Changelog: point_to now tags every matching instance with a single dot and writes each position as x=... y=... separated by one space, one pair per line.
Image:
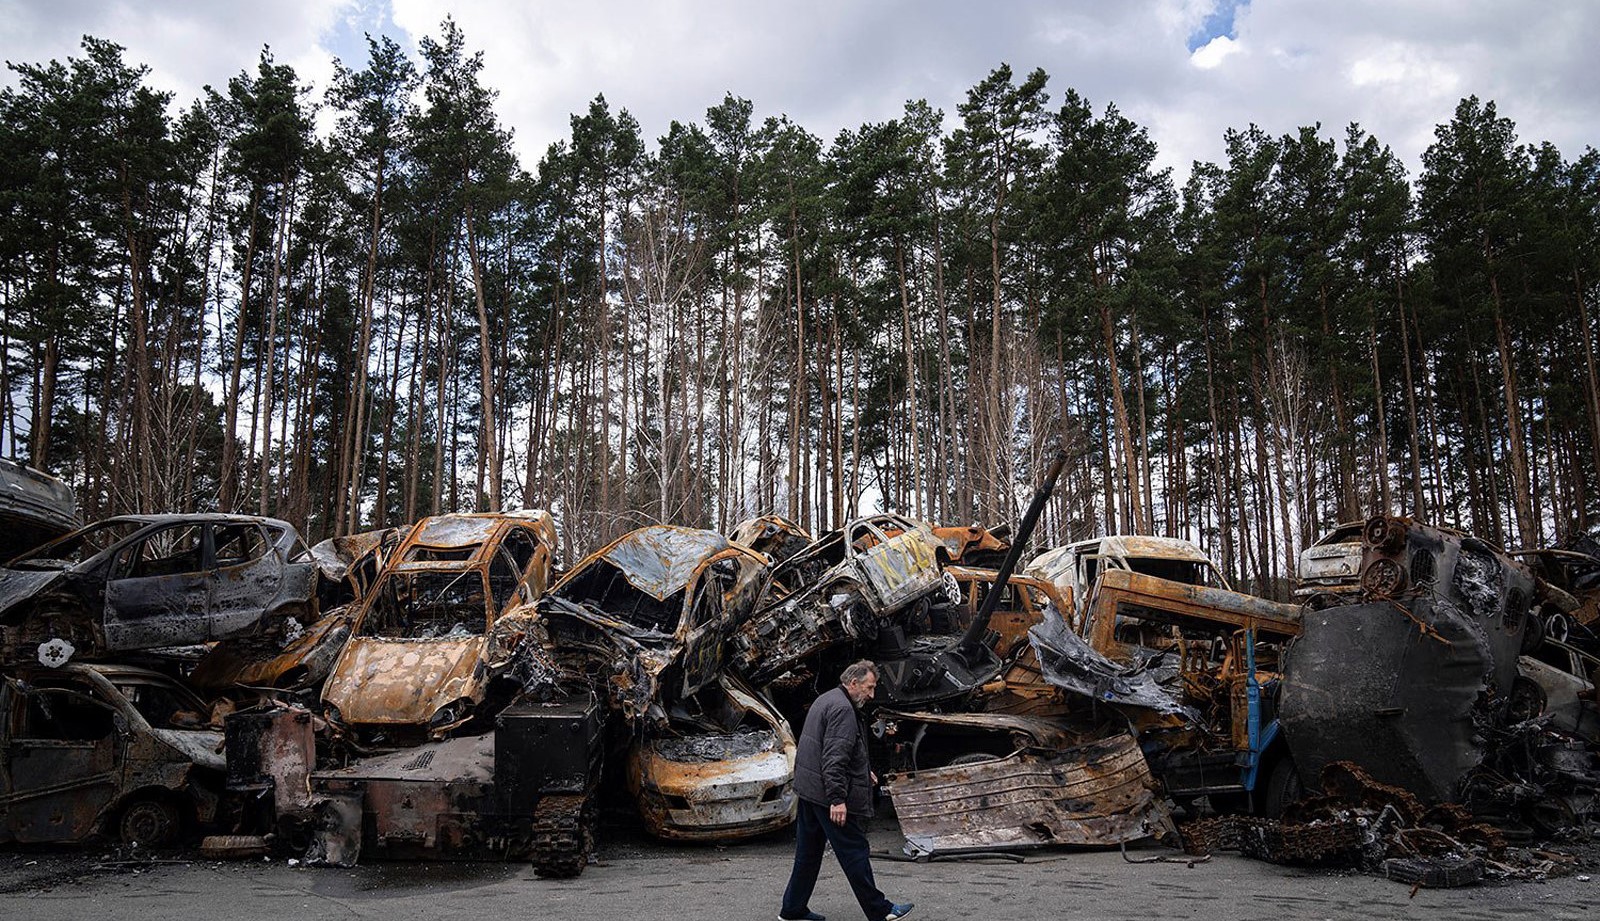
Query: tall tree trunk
x=489 y=449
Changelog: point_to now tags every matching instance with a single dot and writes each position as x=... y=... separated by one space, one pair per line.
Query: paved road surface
x=640 y=880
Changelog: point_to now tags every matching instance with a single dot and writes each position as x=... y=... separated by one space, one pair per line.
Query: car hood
x=203 y=747
x=403 y=682
x=19 y=585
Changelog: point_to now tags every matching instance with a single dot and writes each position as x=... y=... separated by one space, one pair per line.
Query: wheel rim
x=149 y=823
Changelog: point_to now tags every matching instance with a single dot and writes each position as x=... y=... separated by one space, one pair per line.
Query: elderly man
x=834 y=783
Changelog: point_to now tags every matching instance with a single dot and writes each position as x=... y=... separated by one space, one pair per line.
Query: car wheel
x=151 y=822
x=952 y=589
x=1283 y=787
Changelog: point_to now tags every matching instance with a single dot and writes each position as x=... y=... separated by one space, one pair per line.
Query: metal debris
x=1097 y=794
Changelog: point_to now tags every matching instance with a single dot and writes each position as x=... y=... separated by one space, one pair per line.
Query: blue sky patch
x=1220 y=22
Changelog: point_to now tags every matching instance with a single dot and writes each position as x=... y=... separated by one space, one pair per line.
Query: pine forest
x=216 y=304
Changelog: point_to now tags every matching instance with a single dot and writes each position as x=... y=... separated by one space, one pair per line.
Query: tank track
x=561 y=843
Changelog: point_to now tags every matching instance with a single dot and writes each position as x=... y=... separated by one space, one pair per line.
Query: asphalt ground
x=635 y=878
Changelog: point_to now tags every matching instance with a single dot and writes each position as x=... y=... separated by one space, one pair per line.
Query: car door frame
x=161 y=625
x=223 y=623
x=68 y=795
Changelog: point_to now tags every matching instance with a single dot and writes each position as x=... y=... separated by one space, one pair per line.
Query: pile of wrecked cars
x=445 y=690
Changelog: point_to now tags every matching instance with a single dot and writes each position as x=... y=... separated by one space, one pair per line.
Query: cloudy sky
x=1185 y=69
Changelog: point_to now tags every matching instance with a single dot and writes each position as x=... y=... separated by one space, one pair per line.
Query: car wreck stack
x=443 y=691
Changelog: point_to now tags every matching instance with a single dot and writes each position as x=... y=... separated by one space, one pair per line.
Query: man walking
x=834 y=782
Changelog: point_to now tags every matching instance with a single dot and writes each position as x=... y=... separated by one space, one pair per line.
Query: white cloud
x=187 y=45
x=1396 y=68
x=1213 y=53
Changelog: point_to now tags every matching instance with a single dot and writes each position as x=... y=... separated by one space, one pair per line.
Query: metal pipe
x=1030 y=518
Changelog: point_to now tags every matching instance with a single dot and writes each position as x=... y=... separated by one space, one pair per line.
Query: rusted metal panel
x=1095 y=795
x=974 y=546
x=273 y=750
x=1120 y=594
x=405 y=682
x=661 y=561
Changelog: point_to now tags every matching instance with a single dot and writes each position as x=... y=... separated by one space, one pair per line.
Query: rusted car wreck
x=112 y=751
x=649 y=618
x=436 y=631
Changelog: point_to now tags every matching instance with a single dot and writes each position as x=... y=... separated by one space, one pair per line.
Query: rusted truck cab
x=1159 y=607
x=104 y=750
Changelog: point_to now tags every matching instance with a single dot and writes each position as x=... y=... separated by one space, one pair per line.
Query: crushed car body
x=650 y=615
x=849 y=586
x=1098 y=794
x=773 y=536
x=35 y=507
x=722 y=771
x=437 y=628
x=148 y=581
x=104 y=750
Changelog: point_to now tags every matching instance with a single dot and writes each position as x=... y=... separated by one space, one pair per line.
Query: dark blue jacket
x=831 y=765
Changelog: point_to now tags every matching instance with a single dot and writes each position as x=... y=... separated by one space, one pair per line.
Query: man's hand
x=837 y=813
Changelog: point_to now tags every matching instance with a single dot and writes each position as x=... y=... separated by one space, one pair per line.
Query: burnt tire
x=1435 y=872
x=1282 y=787
x=151 y=822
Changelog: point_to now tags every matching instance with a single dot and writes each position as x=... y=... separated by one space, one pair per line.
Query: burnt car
x=851 y=588
x=650 y=615
x=723 y=770
x=1569 y=607
x=35 y=507
x=437 y=630
x=1558 y=680
x=773 y=536
x=300 y=659
x=147 y=581
x=1329 y=571
x=982 y=548
x=93 y=750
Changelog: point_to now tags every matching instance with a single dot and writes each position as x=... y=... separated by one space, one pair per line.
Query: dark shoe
x=898 y=911
x=808 y=916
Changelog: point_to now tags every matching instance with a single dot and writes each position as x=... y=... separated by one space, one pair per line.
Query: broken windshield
x=428 y=605
x=82 y=545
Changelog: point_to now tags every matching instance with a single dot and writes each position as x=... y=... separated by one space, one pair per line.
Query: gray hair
x=858 y=671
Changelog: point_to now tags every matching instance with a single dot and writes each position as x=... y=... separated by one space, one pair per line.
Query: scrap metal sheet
x=1100 y=794
x=1067 y=661
x=661 y=561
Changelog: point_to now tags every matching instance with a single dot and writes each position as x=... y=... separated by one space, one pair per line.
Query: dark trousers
x=813 y=829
